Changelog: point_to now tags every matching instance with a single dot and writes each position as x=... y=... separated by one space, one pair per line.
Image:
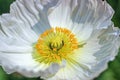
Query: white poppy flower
x=58 y=39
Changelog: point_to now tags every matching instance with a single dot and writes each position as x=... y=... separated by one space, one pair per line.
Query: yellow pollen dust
x=54 y=45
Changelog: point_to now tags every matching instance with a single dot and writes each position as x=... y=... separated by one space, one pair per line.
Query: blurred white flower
x=58 y=39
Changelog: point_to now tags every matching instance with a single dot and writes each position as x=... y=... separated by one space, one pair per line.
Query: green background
x=112 y=73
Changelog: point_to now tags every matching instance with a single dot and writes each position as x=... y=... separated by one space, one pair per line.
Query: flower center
x=54 y=45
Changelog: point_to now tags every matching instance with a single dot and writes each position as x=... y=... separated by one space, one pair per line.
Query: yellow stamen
x=54 y=45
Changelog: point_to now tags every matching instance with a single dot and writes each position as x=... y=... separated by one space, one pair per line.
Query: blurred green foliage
x=112 y=73
x=5 y=5
x=116 y=6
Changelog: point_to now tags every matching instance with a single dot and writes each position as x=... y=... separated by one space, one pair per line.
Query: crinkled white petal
x=16 y=29
x=22 y=63
x=95 y=12
x=32 y=13
x=60 y=16
x=25 y=11
x=82 y=31
x=109 y=41
x=81 y=16
x=26 y=65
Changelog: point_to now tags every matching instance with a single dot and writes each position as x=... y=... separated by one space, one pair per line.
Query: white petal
x=52 y=70
x=16 y=29
x=26 y=19
x=70 y=72
x=22 y=63
x=96 y=12
x=82 y=31
x=12 y=45
x=82 y=12
x=23 y=10
x=109 y=41
x=81 y=16
x=33 y=13
x=85 y=55
x=26 y=65
x=60 y=16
